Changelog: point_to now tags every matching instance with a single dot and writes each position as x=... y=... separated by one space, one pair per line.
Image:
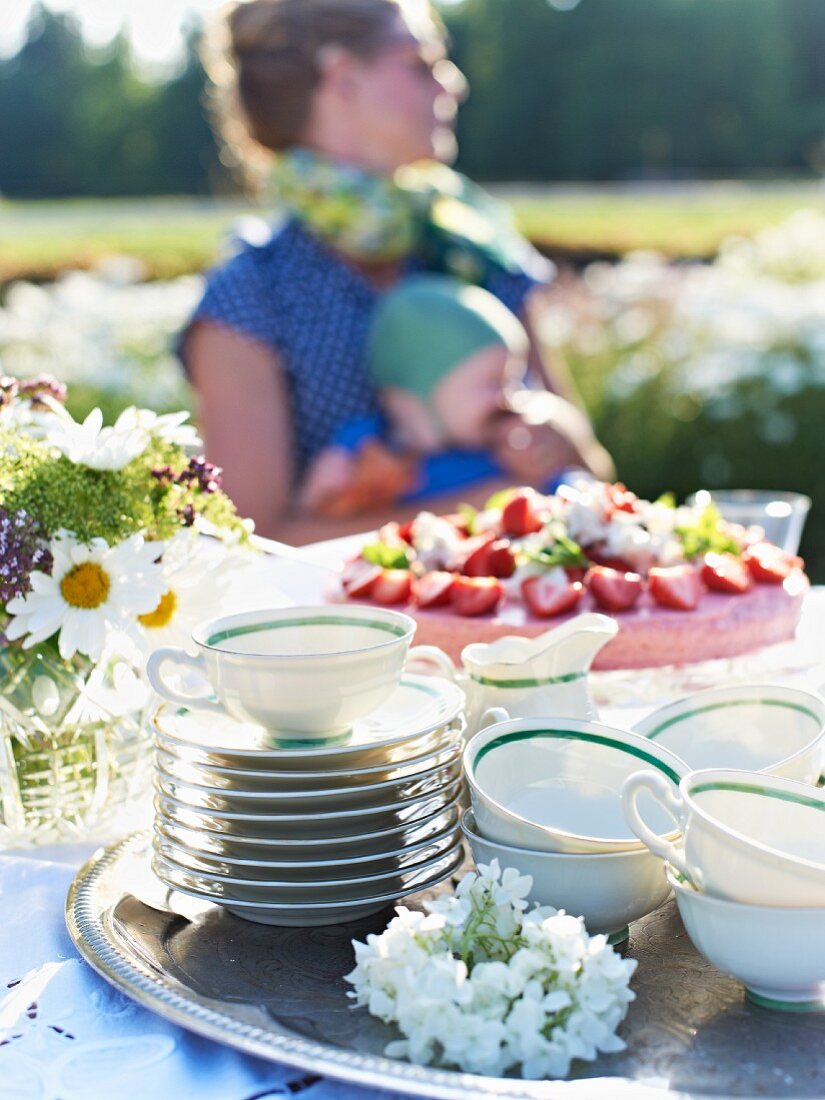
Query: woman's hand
x=543 y=435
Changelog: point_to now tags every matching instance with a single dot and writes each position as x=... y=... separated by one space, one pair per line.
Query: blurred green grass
x=688 y=222
x=174 y=236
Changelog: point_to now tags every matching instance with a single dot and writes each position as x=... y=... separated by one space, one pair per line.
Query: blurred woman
x=354 y=103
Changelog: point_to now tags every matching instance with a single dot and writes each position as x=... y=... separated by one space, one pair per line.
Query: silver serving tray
x=279 y=993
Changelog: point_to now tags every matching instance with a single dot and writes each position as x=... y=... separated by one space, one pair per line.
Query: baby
x=449 y=361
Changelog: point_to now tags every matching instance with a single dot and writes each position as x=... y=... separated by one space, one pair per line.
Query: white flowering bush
x=707 y=375
x=105 y=333
x=481 y=983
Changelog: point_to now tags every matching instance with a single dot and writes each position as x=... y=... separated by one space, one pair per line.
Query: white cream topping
x=436 y=542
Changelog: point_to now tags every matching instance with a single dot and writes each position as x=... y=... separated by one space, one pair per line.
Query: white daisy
x=92 y=590
x=90 y=444
x=169 y=427
x=196 y=575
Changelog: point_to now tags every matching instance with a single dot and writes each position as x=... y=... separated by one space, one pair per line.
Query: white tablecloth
x=66 y=1034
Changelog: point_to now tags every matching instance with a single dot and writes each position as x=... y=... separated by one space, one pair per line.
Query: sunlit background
x=155 y=28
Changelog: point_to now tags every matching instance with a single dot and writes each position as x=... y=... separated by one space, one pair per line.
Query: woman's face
x=404 y=101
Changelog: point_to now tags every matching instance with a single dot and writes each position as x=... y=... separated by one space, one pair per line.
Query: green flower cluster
x=109 y=504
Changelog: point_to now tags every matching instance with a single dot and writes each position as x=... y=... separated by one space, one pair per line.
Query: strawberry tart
x=683 y=585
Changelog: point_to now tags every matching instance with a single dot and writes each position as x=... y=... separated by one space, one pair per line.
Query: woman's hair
x=263 y=57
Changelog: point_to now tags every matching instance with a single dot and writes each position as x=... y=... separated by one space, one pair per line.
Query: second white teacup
x=768 y=728
x=554 y=784
x=302 y=672
x=748 y=837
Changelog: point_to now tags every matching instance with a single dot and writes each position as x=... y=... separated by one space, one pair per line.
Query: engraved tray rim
x=172 y=1000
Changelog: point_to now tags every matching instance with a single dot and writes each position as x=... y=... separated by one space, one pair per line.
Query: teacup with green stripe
x=746 y=836
x=554 y=784
x=779 y=953
x=755 y=727
x=303 y=673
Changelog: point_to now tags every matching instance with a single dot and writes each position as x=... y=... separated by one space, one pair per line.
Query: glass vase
x=75 y=748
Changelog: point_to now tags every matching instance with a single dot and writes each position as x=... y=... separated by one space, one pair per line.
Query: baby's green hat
x=428 y=324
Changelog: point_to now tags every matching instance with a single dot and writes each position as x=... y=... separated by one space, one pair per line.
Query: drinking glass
x=781 y=515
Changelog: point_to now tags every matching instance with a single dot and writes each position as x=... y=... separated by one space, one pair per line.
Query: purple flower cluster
x=199 y=474
x=45 y=385
x=36 y=390
x=22 y=550
x=164 y=475
x=203 y=474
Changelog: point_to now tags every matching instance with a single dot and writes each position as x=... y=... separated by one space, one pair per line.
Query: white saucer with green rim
x=554 y=784
x=325 y=800
x=314 y=913
x=777 y=951
x=243 y=887
x=315 y=825
x=349 y=769
x=756 y=727
x=194 y=831
x=264 y=867
x=419 y=705
x=309 y=783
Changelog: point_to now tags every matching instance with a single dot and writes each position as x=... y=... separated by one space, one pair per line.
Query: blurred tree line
x=613 y=89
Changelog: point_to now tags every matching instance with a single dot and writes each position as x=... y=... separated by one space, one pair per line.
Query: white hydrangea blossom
x=480 y=983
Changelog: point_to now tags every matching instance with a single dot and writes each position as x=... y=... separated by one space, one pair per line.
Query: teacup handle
x=491 y=716
x=174 y=656
x=662 y=791
x=431 y=661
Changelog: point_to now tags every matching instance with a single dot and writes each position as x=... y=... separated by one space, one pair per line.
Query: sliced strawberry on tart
x=683 y=584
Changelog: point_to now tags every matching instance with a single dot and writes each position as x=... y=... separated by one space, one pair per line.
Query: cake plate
x=279 y=993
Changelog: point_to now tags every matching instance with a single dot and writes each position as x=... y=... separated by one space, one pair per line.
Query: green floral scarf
x=453 y=226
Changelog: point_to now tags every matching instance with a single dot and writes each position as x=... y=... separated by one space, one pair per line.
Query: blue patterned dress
x=295 y=296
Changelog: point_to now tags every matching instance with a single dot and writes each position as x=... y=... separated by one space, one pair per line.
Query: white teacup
x=554 y=784
x=778 y=953
x=609 y=890
x=755 y=727
x=748 y=837
x=302 y=672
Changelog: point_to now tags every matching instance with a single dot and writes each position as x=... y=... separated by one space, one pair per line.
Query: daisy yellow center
x=163 y=613
x=86 y=585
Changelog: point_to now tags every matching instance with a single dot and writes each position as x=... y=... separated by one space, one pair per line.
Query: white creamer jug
x=529 y=677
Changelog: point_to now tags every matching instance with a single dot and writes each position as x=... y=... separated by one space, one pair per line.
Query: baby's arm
x=331 y=473
x=343 y=483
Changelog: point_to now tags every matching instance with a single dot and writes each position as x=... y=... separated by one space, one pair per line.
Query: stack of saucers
x=301 y=834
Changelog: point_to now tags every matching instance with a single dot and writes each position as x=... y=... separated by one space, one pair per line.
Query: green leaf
x=500 y=499
x=469 y=513
x=706 y=535
x=564 y=551
x=667 y=499
x=386 y=555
